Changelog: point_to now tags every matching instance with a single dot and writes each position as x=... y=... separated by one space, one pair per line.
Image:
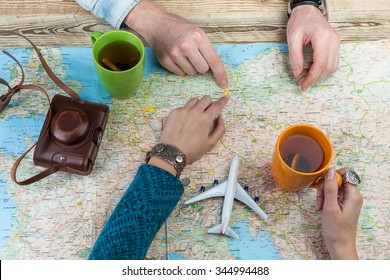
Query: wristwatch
x=170 y=154
x=320 y=4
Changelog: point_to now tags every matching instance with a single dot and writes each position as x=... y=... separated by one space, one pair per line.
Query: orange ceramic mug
x=290 y=179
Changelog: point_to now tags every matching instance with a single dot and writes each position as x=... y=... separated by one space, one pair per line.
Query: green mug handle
x=95 y=35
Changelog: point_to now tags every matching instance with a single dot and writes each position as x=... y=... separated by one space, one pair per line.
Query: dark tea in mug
x=119 y=56
x=302 y=153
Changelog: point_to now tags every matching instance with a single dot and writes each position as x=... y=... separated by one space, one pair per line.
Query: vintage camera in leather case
x=72 y=131
x=72 y=140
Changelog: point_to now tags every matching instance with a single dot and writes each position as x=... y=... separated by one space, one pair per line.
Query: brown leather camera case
x=72 y=132
x=72 y=140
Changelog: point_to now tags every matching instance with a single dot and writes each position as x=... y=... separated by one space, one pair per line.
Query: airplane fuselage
x=231 y=189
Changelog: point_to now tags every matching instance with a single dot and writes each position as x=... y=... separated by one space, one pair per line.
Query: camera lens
x=70 y=126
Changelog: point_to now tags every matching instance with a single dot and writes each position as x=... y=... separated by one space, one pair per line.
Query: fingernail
x=330 y=174
x=224 y=84
x=296 y=71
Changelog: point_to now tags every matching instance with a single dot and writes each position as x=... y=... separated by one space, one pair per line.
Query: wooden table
x=65 y=23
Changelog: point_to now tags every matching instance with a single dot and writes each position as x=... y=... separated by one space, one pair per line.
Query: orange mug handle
x=339 y=181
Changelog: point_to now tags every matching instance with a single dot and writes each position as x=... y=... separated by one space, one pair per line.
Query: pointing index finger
x=217 y=106
x=215 y=63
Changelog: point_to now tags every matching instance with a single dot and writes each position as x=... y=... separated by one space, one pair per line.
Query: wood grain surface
x=65 y=23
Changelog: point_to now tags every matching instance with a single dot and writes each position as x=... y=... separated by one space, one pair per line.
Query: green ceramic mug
x=121 y=83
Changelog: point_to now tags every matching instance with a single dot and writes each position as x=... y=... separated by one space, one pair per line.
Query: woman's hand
x=340 y=215
x=195 y=128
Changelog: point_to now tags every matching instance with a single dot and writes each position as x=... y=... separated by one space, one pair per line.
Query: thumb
x=330 y=190
x=296 y=56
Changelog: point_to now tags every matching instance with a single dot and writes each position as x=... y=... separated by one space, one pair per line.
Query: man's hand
x=307 y=25
x=179 y=46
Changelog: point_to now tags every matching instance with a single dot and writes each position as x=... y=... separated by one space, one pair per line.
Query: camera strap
x=6 y=98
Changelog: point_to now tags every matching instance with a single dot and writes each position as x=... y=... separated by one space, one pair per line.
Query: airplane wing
x=242 y=196
x=216 y=191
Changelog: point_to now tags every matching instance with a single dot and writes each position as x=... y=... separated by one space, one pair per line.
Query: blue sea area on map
x=175 y=256
x=235 y=54
x=245 y=247
x=22 y=55
x=13 y=133
x=79 y=66
x=14 y=130
x=85 y=72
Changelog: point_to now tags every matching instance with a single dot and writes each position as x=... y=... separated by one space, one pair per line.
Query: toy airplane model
x=231 y=189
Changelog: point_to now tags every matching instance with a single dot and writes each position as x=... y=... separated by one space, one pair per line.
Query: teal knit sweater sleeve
x=143 y=209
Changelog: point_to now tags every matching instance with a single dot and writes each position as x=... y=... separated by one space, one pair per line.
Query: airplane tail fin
x=218 y=229
x=231 y=233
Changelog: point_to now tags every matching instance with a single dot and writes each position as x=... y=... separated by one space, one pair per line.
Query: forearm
x=160 y=163
x=156 y=15
x=343 y=251
x=146 y=205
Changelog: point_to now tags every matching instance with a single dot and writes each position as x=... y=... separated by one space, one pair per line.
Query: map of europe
x=61 y=216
